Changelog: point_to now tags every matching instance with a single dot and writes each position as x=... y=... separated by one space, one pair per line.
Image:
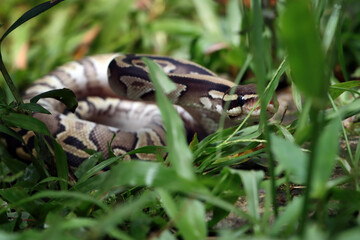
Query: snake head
x=242 y=100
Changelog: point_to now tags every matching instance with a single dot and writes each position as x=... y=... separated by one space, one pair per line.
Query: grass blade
x=306 y=56
x=61 y=164
x=325 y=157
x=291 y=158
x=251 y=180
x=25 y=122
x=179 y=152
x=188 y=215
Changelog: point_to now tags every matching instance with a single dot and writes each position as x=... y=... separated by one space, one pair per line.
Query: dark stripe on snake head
x=178 y=66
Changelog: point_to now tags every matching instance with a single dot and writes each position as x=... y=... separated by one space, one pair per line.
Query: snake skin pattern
x=116 y=97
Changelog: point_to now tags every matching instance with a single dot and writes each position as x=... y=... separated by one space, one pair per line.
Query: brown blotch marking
x=137 y=84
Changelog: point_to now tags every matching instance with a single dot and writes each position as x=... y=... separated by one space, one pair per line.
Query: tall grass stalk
x=317 y=119
x=310 y=75
x=258 y=50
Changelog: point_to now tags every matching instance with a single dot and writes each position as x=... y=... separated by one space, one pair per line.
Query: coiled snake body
x=116 y=97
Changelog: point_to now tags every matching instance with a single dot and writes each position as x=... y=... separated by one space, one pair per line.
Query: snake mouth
x=234 y=112
x=239 y=113
x=271 y=109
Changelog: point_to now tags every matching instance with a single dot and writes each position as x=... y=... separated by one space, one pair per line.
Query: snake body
x=116 y=96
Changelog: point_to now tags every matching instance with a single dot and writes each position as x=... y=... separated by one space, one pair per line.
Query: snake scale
x=116 y=96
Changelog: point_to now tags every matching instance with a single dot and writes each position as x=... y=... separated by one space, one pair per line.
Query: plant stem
x=9 y=82
x=317 y=118
x=269 y=156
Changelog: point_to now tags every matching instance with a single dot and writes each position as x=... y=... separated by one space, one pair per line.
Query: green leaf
x=150 y=174
x=228 y=188
x=346 y=111
x=2 y=96
x=166 y=235
x=66 y=96
x=188 y=215
x=176 y=26
x=341 y=58
x=14 y=165
x=350 y=234
x=273 y=84
x=26 y=201
x=297 y=98
x=331 y=27
x=148 y=149
x=326 y=153
x=179 y=153
x=97 y=168
x=289 y=218
x=15 y=195
x=61 y=164
x=357 y=153
x=314 y=231
x=108 y=223
x=206 y=11
x=86 y=165
x=25 y=122
x=29 y=15
x=337 y=89
x=290 y=157
x=33 y=107
x=9 y=235
x=11 y=133
x=251 y=180
x=305 y=51
x=93 y=183
x=234 y=21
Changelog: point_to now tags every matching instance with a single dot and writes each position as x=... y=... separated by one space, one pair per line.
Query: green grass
x=297 y=195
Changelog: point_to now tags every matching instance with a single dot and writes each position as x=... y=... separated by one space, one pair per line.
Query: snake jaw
x=234 y=112
x=240 y=101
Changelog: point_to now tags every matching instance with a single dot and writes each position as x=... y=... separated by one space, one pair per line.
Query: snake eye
x=241 y=100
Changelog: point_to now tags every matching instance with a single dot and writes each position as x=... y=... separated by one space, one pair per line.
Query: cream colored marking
x=232 y=97
x=194 y=73
x=168 y=66
x=206 y=102
x=83 y=109
x=39 y=89
x=216 y=94
x=219 y=109
x=234 y=111
x=20 y=151
x=119 y=152
x=248 y=96
x=254 y=113
x=50 y=81
x=271 y=108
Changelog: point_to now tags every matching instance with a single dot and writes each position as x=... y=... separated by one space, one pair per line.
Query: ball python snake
x=116 y=96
